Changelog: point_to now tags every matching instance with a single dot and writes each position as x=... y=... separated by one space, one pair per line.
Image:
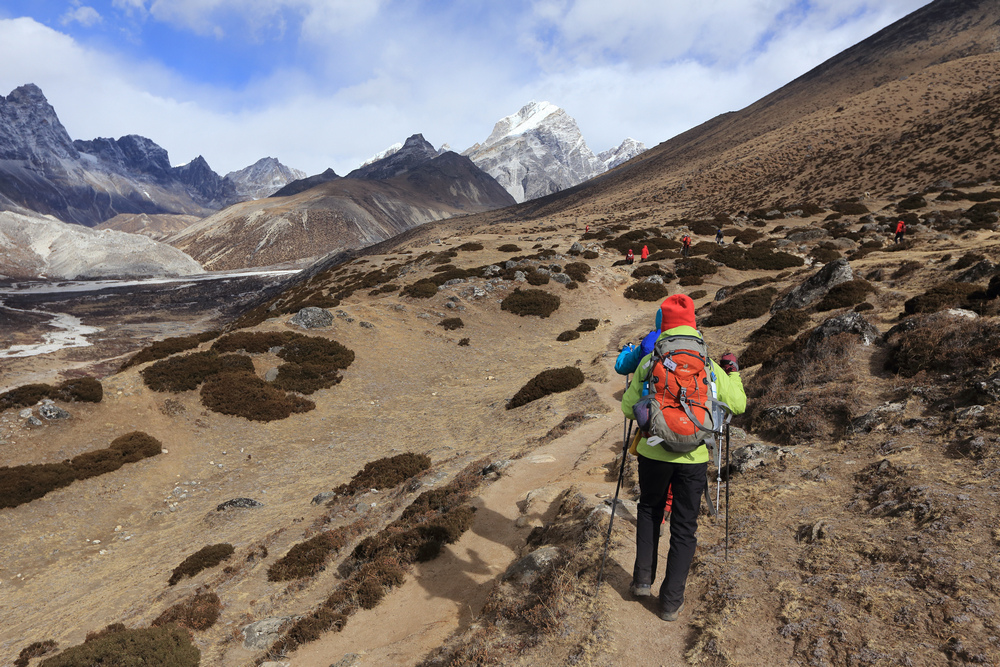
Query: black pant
x=689 y=481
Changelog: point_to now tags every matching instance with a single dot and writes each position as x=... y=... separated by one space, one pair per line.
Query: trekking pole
x=614 y=506
x=728 y=477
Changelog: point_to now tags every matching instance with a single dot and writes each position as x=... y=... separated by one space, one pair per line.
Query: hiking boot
x=639 y=591
x=672 y=615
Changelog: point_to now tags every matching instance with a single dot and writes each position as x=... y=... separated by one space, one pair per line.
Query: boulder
x=525 y=570
x=779 y=411
x=988 y=389
x=562 y=278
x=977 y=272
x=575 y=249
x=816 y=286
x=875 y=418
x=51 y=412
x=756 y=455
x=245 y=503
x=262 y=634
x=312 y=318
x=321 y=498
x=849 y=322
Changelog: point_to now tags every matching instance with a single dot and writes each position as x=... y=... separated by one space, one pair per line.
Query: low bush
x=311 y=556
x=824 y=255
x=648 y=269
x=167 y=645
x=451 y=323
x=203 y=559
x=246 y=395
x=590 y=254
x=547 y=382
x=34 y=650
x=470 y=247
x=318 y=351
x=698 y=294
x=906 y=268
x=747 y=236
x=688 y=281
x=850 y=208
x=762 y=349
x=536 y=278
x=578 y=271
x=530 y=302
x=386 y=473
x=695 y=266
x=783 y=324
x=911 y=203
x=198 y=612
x=567 y=336
x=943 y=346
x=306 y=378
x=646 y=291
x=509 y=247
x=167 y=347
x=941 y=297
x=845 y=295
x=422 y=289
x=86 y=389
x=184 y=373
x=588 y=324
x=966 y=260
x=24 y=483
x=743 y=307
x=464 y=342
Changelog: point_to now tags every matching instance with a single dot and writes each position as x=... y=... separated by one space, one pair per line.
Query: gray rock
x=321 y=498
x=519 y=277
x=527 y=569
x=492 y=270
x=988 y=388
x=656 y=279
x=849 y=322
x=779 y=411
x=478 y=292
x=262 y=634
x=969 y=412
x=367 y=325
x=958 y=312
x=51 y=412
x=34 y=421
x=756 y=455
x=624 y=508
x=575 y=249
x=562 y=278
x=721 y=294
x=349 y=660
x=399 y=307
x=25 y=414
x=245 y=503
x=816 y=286
x=872 y=419
x=271 y=375
x=509 y=264
x=312 y=318
x=811 y=234
x=454 y=281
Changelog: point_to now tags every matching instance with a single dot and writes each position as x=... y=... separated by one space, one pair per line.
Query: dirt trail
x=448 y=593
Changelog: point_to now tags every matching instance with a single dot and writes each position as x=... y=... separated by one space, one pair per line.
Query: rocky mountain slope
x=540 y=150
x=43 y=247
x=157 y=226
x=342 y=213
x=87 y=182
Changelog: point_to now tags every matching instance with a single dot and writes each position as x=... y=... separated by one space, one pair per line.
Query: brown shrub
x=24 y=396
x=943 y=345
x=698 y=294
x=644 y=291
x=762 y=349
x=306 y=378
x=536 y=278
x=198 y=612
x=941 y=297
x=845 y=295
x=824 y=255
x=386 y=473
x=168 y=646
x=464 y=342
x=648 y=269
x=34 y=650
x=202 y=559
x=248 y=396
x=567 y=336
x=783 y=324
x=530 y=302
x=578 y=271
x=317 y=350
x=742 y=307
x=966 y=260
x=185 y=373
x=591 y=254
x=588 y=324
x=310 y=557
x=545 y=383
x=509 y=247
x=695 y=266
x=470 y=247
x=253 y=342
x=422 y=289
x=164 y=348
x=85 y=389
x=850 y=208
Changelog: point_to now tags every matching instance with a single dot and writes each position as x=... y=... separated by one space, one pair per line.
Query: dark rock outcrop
x=816 y=287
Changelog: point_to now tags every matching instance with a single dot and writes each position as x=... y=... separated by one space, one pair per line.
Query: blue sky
x=328 y=83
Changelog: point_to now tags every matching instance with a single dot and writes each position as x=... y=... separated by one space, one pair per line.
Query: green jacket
x=728 y=387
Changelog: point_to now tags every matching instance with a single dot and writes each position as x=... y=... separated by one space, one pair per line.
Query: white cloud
x=85 y=16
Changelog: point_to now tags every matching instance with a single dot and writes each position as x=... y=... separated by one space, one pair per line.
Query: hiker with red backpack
x=629 y=257
x=900 y=230
x=678 y=418
x=686 y=245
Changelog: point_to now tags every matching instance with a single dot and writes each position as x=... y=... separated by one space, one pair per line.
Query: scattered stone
x=564 y=279
x=575 y=249
x=876 y=418
x=527 y=569
x=818 y=474
x=959 y=312
x=25 y=414
x=172 y=407
x=349 y=660
x=496 y=467
x=312 y=318
x=816 y=287
x=244 y=503
x=271 y=375
x=988 y=389
x=51 y=412
x=399 y=307
x=321 y=498
x=492 y=270
x=34 y=421
x=969 y=412
x=478 y=292
x=977 y=272
x=756 y=455
x=624 y=508
x=849 y=322
x=367 y=325
x=779 y=411
x=519 y=277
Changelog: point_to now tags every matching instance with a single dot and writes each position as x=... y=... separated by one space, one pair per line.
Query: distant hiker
x=686 y=245
x=586 y=229
x=661 y=468
x=900 y=230
x=645 y=253
x=718 y=235
x=629 y=257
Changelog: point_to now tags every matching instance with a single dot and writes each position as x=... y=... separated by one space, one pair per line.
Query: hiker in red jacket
x=645 y=252
x=629 y=257
x=900 y=230
x=686 y=245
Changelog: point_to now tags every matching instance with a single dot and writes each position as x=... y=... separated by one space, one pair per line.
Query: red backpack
x=678 y=411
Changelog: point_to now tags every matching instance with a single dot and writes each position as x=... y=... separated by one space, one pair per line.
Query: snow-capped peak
x=530 y=117
x=383 y=154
